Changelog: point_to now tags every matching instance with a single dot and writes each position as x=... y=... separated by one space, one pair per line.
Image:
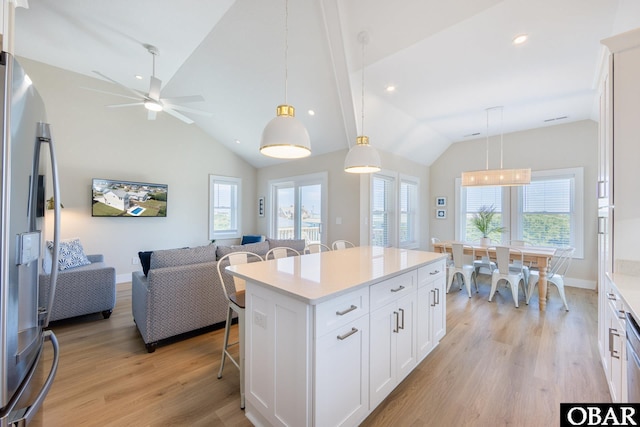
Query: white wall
x=97 y=142
x=554 y=147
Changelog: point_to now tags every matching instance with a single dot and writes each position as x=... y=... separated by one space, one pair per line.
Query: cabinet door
x=617 y=354
x=424 y=332
x=342 y=375
x=382 y=357
x=405 y=337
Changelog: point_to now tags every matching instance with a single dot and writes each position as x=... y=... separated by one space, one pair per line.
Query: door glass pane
x=310 y=213
x=285 y=217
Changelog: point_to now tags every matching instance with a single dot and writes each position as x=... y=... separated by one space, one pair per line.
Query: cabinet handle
x=433 y=291
x=345 y=311
x=438 y=294
x=601 y=189
x=611 y=296
x=395 y=313
x=614 y=353
x=434 y=272
x=622 y=315
x=402 y=310
x=348 y=334
x=397 y=289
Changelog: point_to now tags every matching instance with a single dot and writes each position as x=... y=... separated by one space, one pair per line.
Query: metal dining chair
x=459 y=268
x=559 y=265
x=504 y=272
x=314 y=248
x=281 y=252
x=236 y=303
x=342 y=244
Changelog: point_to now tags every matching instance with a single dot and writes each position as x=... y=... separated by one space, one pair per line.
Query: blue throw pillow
x=251 y=239
x=145 y=261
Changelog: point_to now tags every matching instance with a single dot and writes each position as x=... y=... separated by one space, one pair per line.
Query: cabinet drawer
x=339 y=311
x=431 y=272
x=390 y=290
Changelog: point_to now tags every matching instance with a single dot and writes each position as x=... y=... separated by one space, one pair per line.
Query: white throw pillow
x=70 y=254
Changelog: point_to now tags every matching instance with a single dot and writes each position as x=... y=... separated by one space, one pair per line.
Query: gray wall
x=98 y=142
x=554 y=147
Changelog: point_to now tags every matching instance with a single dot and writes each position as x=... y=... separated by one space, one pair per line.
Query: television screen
x=127 y=198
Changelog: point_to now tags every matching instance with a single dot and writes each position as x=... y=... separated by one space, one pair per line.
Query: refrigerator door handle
x=43 y=135
x=37 y=403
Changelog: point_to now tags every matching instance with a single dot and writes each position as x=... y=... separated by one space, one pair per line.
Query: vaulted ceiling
x=448 y=61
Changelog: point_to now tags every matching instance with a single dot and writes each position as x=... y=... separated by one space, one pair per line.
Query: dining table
x=536 y=256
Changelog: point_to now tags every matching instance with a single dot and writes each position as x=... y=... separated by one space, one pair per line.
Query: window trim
x=232 y=234
x=415 y=243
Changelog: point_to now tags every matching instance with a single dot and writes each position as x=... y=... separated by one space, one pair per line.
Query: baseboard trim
x=123 y=278
x=580 y=283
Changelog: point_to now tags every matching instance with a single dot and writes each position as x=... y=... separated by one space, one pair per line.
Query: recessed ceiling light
x=520 y=38
x=237 y=141
x=311 y=113
x=138 y=76
x=390 y=88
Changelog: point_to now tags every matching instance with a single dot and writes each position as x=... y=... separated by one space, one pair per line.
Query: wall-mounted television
x=128 y=198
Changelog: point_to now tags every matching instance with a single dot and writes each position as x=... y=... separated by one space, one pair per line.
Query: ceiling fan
x=152 y=100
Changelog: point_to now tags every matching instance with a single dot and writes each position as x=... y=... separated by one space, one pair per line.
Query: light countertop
x=629 y=288
x=314 y=278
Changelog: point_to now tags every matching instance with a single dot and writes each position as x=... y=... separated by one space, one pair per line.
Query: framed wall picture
x=441 y=213
x=261 y=206
x=441 y=201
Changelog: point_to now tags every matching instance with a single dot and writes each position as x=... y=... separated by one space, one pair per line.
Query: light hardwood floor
x=498 y=365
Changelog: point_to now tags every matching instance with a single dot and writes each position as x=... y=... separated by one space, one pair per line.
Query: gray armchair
x=82 y=290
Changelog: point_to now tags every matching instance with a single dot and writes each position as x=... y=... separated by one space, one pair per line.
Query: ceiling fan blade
x=154 y=88
x=124 y=105
x=182 y=99
x=186 y=109
x=177 y=115
x=151 y=115
x=133 y=91
x=110 y=93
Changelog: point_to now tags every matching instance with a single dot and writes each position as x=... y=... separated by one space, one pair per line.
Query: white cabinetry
x=615 y=354
x=393 y=343
x=431 y=308
x=618 y=204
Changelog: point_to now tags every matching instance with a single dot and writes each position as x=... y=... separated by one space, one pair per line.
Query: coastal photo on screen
x=128 y=198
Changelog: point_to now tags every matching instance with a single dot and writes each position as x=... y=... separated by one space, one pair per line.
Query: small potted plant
x=482 y=220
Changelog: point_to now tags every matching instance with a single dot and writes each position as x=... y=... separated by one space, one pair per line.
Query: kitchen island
x=329 y=335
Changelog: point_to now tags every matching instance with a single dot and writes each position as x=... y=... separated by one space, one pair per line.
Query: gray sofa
x=81 y=290
x=181 y=291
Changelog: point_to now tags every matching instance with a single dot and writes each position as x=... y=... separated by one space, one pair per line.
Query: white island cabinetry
x=330 y=335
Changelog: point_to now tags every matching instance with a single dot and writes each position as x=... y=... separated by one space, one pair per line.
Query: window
x=408 y=213
x=474 y=199
x=224 y=207
x=298 y=207
x=394 y=210
x=547 y=212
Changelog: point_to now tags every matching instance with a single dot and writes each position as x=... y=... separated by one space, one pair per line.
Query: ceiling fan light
x=285 y=137
x=152 y=105
x=362 y=158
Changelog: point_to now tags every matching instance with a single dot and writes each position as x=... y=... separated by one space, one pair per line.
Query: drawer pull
x=397 y=289
x=611 y=296
x=348 y=334
x=434 y=272
x=345 y=311
x=622 y=315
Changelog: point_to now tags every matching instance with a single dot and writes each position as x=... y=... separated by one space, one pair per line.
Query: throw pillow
x=145 y=261
x=251 y=239
x=70 y=254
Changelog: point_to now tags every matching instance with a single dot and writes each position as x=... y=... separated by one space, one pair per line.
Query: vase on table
x=485 y=241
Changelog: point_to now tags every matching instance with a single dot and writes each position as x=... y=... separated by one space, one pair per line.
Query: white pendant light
x=496 y=177
x=362 y=157
x=285 y=137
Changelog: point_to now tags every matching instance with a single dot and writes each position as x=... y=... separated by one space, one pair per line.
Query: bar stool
x=236 y=303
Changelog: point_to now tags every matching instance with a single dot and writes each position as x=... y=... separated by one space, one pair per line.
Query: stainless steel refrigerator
x=28 y=166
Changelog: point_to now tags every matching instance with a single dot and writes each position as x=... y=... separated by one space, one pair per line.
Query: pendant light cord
x=501 y=136
x=362 y=108
x=286 y=47
x=487 y=149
